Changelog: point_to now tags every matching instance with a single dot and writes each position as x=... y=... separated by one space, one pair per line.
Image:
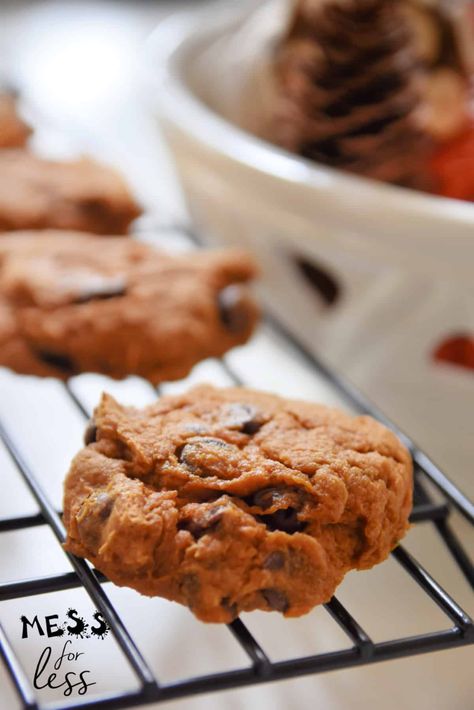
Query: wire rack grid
x=362 y=650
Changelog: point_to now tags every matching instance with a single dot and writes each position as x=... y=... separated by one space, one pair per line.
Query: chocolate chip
x=89 y=532
x=229 y=606
x=58 y=360
x=103 y=505
x=251 y=427
x=204 y=523
x=189 y=453
x=285 y=519
x=268 y=497
x=190 y=585
x=94 y=207
x=200 y=442
x=96 y=509
x=243 y=417
x=274 y=561
x=232 y=306
x=276 y=599
x=101 y=290
x=90 y=434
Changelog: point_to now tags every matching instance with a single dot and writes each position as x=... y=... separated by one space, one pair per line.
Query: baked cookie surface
x=81 y=194
x=229 y=500
x=14 y=132
x=72 y=303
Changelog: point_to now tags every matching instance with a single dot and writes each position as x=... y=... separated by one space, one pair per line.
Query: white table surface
x=76 y=63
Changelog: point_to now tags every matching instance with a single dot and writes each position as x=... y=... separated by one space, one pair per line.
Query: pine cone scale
x=296 y=78
x=348 y=87
x=321 y=124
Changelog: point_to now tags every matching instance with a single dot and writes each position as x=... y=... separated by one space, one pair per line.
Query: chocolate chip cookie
x=72 y=303
x=80 y=194
x=14 y=132
x=229 y=500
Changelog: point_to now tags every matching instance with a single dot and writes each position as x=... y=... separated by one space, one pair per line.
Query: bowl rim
x=173 y=98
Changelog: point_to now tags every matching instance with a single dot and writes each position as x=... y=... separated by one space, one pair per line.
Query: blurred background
x=76 y=65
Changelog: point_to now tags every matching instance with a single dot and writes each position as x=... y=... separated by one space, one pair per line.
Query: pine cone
x=347 y=89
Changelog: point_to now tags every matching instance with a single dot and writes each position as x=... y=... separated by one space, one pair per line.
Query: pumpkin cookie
x=81 y=194
x=229 y=500
x=72 y=303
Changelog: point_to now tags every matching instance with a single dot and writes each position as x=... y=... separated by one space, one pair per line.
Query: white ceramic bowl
x=404 y=260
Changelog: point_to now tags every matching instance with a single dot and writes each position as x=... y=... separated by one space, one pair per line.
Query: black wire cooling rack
x=261 y=669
